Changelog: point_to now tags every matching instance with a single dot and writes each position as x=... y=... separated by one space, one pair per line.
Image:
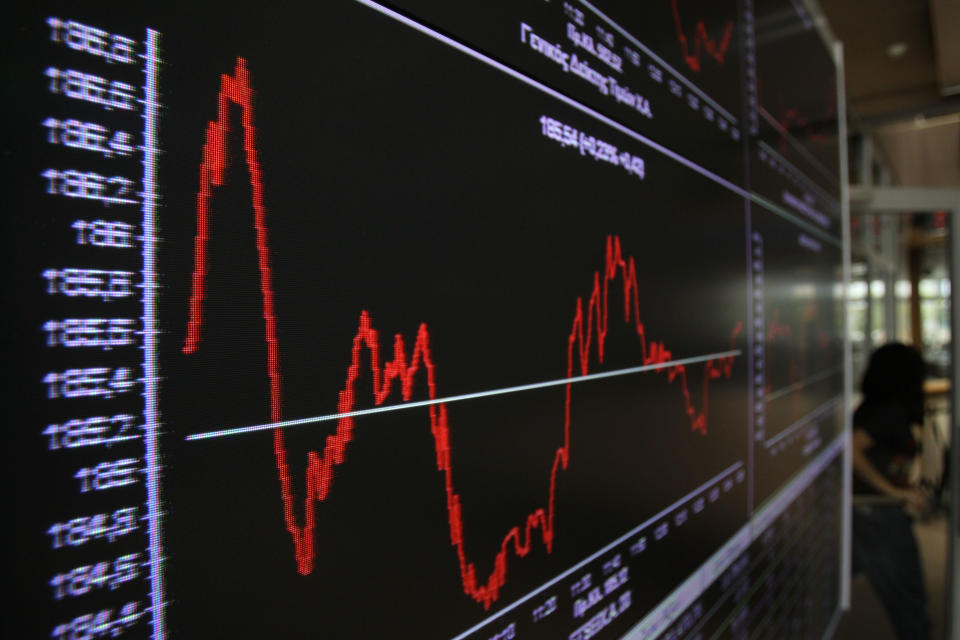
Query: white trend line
x=457 y=398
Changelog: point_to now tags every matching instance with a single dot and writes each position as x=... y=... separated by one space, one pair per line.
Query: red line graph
x=782 y=334
x=778 y=329
x=792 y=346
x=587 y=336
x=702 y=42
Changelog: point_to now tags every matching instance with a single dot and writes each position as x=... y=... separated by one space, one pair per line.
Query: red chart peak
x=393 y=371
x=703 y=44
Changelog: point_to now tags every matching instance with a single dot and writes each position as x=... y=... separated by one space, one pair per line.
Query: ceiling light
x=897 y=49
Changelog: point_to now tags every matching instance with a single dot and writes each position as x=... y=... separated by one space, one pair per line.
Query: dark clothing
x=885 y=549
x=894 y=447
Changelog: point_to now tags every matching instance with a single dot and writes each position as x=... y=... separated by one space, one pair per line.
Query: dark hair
x=895 y=376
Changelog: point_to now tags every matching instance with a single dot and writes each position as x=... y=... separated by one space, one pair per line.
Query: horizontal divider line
x=562 y=97
x=766 y=115
x=457 y=398
x=811 y=182
x=782 y=391
x=795 y=218
x=816 y=413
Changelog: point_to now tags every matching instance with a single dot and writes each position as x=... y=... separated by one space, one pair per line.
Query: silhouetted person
x=884 y=448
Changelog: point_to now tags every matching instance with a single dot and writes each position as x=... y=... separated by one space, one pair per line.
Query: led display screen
x=423 y=319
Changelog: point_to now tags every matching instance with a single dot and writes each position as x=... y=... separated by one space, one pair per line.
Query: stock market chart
x=423 y=319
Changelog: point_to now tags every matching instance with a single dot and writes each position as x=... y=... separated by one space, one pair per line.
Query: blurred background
x=902 y=62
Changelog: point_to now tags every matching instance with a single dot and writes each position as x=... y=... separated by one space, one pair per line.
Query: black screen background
x=412 y=181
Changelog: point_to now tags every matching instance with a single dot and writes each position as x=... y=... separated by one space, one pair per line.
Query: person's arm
x=915 y=499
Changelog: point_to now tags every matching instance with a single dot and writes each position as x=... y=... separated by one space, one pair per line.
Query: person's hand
x=916 y=501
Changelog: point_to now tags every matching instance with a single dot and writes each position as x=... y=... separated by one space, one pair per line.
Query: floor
x=867 y=618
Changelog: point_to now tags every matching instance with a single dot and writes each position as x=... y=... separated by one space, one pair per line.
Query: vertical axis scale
x=150 y=379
